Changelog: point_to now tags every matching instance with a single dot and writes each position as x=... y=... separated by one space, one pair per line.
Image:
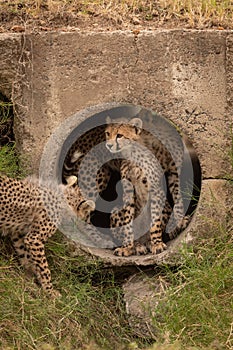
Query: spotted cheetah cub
x=145 y=161
x=30 y=213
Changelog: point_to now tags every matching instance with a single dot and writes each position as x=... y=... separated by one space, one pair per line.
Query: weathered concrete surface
x=10 y=49
x=184 y=75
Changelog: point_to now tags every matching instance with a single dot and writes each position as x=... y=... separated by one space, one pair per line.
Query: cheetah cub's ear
x=137 y=122
x=71 y=180
x=91 y=204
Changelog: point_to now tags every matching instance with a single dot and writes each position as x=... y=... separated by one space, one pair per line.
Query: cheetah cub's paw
x=124 y=251
x=140 y=249
x=136 y=249
x=53 y=294
x=158 y=248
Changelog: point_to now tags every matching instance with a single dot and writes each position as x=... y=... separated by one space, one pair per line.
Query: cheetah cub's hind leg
x=102 y=178
x=125 y=233
x=178 y=221
x=183 y=223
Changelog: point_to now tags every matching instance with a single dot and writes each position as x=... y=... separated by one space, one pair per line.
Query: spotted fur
x=30 y=213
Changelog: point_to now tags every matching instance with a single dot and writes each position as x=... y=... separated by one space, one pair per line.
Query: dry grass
x=18 y=15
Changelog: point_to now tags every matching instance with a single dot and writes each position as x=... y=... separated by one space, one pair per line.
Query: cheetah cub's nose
x=109 y=146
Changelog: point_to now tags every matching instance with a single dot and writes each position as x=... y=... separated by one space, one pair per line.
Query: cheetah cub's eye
x=107 y=133
x=119 y=136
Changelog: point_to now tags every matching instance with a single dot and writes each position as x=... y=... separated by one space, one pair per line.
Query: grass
x=194 y=314
x=199 y=302
x=8 y=161
x=196 y=310
x=51 y=14
x=201 y=13
x=6 y=120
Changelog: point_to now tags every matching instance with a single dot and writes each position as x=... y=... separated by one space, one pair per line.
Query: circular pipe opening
x=85 y=131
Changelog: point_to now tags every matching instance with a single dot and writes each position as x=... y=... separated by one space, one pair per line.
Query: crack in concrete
x=130 y=68
x=215 y=179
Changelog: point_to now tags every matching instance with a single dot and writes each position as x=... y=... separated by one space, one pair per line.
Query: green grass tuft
x=197 y=309
x=9 y=159
x=86 y=314
x=9 y=163
x=90 y=314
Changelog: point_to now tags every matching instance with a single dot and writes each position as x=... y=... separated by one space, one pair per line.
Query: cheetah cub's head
x=81 y=206
x=120 y=135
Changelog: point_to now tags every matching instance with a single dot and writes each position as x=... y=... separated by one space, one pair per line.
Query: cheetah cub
x=145 y=161
x=30 y=213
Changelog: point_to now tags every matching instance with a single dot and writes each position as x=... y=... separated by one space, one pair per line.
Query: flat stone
x=142 y=293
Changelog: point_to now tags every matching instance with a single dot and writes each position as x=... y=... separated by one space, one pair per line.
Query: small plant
x=9 y=162
x=6 y=122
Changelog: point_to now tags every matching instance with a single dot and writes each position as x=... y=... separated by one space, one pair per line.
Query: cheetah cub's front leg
x=34 y=244
x=121 y=221
x=157 y=245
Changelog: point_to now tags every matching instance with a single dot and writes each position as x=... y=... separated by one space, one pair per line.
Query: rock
x=142 y=293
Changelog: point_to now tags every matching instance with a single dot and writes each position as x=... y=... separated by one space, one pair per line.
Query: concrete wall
x=184 y=75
